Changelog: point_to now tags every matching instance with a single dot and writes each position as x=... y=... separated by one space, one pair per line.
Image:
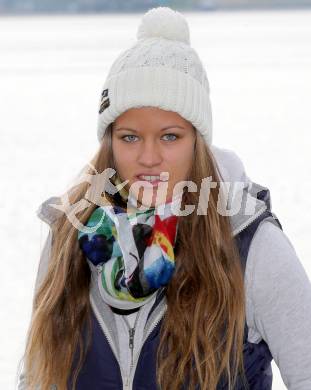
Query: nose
x=150 y=154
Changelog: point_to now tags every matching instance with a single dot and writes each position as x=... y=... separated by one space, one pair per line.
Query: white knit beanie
x=160 y=70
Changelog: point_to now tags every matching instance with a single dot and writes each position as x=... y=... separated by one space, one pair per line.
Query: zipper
x=124 y=377
x=250 y=220
x=126 y=380
x=152 y=327
x=131 y=335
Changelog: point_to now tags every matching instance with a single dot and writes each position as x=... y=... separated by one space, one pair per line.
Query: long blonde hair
x=202 y=332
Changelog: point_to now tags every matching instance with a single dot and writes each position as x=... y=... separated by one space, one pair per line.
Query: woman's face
x=147 y=141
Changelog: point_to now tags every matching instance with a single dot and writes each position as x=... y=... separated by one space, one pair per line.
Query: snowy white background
x=51 y=73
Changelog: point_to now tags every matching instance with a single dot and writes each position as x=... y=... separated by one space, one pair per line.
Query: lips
x=149 y=177
x=153 y=177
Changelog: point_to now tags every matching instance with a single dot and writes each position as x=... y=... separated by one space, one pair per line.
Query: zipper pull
x=131 y=342
x=99 y=269
x=126 y=384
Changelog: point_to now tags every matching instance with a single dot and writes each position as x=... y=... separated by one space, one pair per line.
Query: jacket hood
x=245 y=199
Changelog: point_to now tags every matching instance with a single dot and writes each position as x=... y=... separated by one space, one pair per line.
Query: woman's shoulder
x=275 y=279
x=272 y=254
x=278 y=303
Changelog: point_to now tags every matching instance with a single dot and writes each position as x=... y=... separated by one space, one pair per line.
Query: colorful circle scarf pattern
x=133 y=251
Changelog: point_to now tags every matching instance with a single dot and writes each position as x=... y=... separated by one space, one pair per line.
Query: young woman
x=151 y=277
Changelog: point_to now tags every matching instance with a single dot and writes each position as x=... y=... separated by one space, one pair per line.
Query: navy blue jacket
x=101 y=370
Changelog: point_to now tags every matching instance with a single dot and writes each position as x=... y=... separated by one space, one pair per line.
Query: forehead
x=155 y=116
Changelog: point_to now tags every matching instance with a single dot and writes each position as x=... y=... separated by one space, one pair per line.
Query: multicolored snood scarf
x=132 y=249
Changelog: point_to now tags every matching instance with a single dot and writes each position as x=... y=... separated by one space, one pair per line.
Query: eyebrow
x=164 y=128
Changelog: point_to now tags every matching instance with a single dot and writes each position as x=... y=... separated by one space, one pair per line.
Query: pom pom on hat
x=164 y=22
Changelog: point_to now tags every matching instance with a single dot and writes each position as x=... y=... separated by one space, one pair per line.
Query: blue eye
x=131 y=135
x=171 y=135
x=127 y=138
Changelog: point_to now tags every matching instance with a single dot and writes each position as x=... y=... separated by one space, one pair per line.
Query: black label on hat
x=104 y=105
x=105 y=93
